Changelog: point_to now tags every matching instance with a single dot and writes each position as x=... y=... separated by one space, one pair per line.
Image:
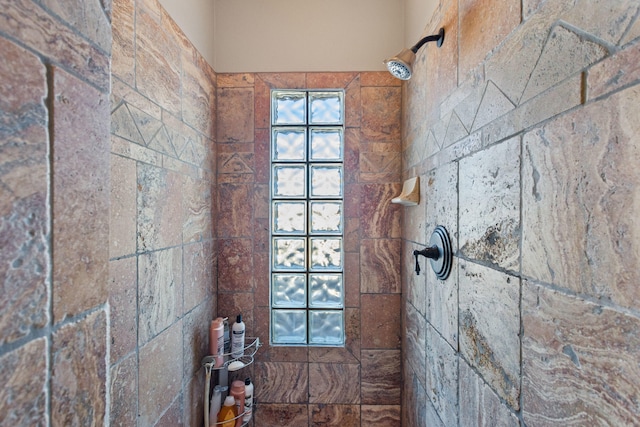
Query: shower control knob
x=440 y=253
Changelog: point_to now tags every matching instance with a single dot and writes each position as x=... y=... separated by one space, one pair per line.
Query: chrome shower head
x=400 y=65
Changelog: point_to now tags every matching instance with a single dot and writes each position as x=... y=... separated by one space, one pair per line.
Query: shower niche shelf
x=209 y=364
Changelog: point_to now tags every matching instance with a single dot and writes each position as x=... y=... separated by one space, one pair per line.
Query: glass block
x=326 y=291
x=289 y=108
x=326 y=327
x=289 y=326
x=289 y=144
x=288 y=181
x=288 y=217
x=326 y=144
x=288 y=290
x=326 y=253
x=326 y=217
x=326 y=107
x=326 y=181
x=288 y=253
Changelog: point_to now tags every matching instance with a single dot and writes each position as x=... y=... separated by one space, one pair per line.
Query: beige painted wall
x=417 y=13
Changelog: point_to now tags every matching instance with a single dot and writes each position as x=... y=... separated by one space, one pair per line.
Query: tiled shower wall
x=361 y=383
x=523 y=129
x=162 y=269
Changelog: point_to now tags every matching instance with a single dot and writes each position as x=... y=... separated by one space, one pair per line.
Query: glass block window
x=307 y=217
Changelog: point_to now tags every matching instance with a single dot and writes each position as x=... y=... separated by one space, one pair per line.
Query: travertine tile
x=235 y=210
x=381 y=377
x=442 y=377
x=380 y=321
x=414 y=343
x=608 y=75
x=490 y=327
x=124 y=391
x=353 y=103
x=380 y=415
x=160 y=213
x=147 y=125
x=334 y=383
x=122 y=207
x=173 y=416
x=490 y=205
x=235 y=265
x=282 y=382
x=122 y=49
x=124 y=126
x=23 y=397
x=81 y=197
x=379 y=265
x=88 y=18
x=564 y=54
x=160 y=374
x=579 y=188
x=79 y=371
x=479 y=405
x=415 y=401
x=198 y=273
x=329 y=80
x=198 y=92
x=379 y=217
x=378 y=78
x=414 y=285
x=159 y=292
x=197 y=201
x=581 y=361
x=281 y=415
x=334 y=415
x=381 y=109
x=235 y=115
x=123 y=307
x=193 y=401
x=232 y=304
x=25 y=256
x=195 y=335
x=604 y=19
x=493 y=105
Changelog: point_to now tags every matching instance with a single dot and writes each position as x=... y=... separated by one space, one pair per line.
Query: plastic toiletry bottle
x=216 y=341
x=237 y=391
x=248 y=400
x=227 y=337
x=227 y=413
x=237 y=338
x=216 y=404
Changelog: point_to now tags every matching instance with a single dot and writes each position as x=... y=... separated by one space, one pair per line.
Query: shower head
x=400 y=65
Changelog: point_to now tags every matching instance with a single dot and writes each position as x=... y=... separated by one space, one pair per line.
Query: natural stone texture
x=124 y=392
x=632 y=34
x=490 y=203
x=282 y=382
x=483 y=25
x=25 y=256
x=198 y=273
x=414 y=286
x=134 y=151
x=579 y=185
x=285 y=415
x=414 y=401
x=79 y=371
x=160 y=374
x=122 y=49
x=479 y=405
x=380 y=313
x=235 y=210
x=381 y=377
x=157 y=61
x=380 y=415
x=235 y=115
x=615 y=72
x=235 y=265
x=334 y=415
x=159 y=208
x=193 y=401
x=195 y=334
x=604 y=19
x=564 y=54
x=490 y=327
x=493 y=105
x=380 y=167
x=197 y=213
x=173 y=416
x=232 y=304
x=198 y=92
x=122 y=222
x=23 y=397
x=379 y=217
x=159 y=292
x=455 y=131
x=80 y=198
x=353 y=103
x=581 y=361
x=148 y=125
x=88 y=18
x=414 y=343
x=123 y=307
x=334 y=383
x=442 y=377
x=381 y=107
x=329 y=80
x=28 y=22
x=379 y=265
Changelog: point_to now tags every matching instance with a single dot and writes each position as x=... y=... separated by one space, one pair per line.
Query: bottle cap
x=239 y=318
x=229 y=401
x=247 y=381
x=237 y=386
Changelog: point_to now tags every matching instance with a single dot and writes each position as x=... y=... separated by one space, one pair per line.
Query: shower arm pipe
x=432 y=38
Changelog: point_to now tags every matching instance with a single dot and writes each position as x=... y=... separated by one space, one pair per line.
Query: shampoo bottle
x=248 y=400
x=237 y=338
x=237 y=391
x=216 y=404
x=227 y=413
x=216 y=341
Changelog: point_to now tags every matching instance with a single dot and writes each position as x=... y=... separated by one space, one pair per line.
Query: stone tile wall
x=162 y=247
x=54 y=212
x=523 y=129
x=359 y=384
